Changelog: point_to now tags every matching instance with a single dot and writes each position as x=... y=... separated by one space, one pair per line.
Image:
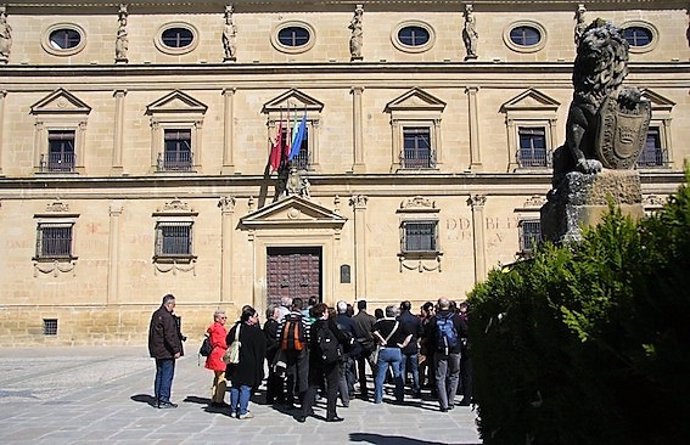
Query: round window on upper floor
x=293 y=37
x=525 y=36
x=176 y=38
x=641 y=36
x=413 y=36
x=64 y=39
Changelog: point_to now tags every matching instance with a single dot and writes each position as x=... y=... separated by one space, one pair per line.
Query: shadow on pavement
x=381 y=439
x=144 y=398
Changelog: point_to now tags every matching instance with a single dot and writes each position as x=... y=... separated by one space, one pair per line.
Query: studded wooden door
x=293 y=272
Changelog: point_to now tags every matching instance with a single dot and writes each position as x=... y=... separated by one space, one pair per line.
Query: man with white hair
x=444 y=331
x=285 y=307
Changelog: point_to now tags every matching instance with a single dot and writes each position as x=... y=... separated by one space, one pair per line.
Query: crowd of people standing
x=312 y=350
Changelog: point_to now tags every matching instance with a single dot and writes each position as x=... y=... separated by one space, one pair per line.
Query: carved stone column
x=228 y=131
x=3 y=94
x=114 y=253
x=477 y=203
x=473 y=114
x=80 y=148
x=359 y=203
x=118 y=132
x=227 y=209
x=357 y=130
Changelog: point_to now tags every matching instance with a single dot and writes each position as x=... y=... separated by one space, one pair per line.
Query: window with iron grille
x=419 y=236
x=417 y=151
x=60 y=157
x=530 y=234
x=532 y=150
x=177 y=151
x=54 y=241
x=301 y=161
x=173 y=239
x=653 y=153
x=50 y=326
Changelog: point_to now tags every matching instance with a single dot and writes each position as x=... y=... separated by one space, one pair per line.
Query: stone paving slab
x=101 y=395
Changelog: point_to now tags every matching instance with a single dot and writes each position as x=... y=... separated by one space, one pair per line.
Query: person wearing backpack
x=326 y=343
x=214 y=361
x=293 y=335
x=444 y=331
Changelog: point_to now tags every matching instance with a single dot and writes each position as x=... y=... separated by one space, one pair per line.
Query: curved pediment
x=293 y=212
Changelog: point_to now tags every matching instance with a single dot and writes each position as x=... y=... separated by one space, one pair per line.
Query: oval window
x=177 y=37
x=638 y=36
x=525 y=36
x=293 y=36
x=64 y=38
x=413 y=36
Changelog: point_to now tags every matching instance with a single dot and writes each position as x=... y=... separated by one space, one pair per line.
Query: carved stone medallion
x=622 y=133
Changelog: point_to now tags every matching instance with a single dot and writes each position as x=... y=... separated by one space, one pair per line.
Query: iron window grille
x=174 y=240
x=54 y=241
x=419 y=237
x=417 y=151
x=177 y=152
x=530 y=235
x=532 y=150
x=60 y=156
x=50 y=326
x=653 y=154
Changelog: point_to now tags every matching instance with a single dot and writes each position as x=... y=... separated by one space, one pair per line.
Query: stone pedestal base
x=581 y=200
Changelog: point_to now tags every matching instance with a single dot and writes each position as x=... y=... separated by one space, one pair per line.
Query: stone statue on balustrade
x=357 y=37
x=229 y=35
x=5 y=36
x=606 y=130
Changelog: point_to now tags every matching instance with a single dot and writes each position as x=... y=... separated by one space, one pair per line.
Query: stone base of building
x=97 y=325
x=581 y=200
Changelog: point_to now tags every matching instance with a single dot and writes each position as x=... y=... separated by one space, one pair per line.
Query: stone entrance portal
x=293 y=272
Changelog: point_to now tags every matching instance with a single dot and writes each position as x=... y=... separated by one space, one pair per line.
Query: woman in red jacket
x=217 y=333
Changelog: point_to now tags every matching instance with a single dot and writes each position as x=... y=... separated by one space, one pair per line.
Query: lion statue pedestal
x=605 y=132
x=583 y=199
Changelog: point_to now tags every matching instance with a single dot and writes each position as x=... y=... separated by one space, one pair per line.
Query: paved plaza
x=102 y=395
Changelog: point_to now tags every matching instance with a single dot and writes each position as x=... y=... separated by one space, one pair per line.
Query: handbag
x=375 y=353
x=232 y=354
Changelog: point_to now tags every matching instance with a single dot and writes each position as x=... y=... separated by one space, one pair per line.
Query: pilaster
x=477 y=203
x=359 y=204
x=118 y=132
x=473 y=115
x=113 y=292
x=227 y=209
x=359 y=165
x=228 y=131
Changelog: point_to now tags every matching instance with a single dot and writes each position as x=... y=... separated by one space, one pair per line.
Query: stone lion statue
x=606 y=123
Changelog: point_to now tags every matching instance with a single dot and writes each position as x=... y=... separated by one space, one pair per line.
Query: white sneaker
x=247 y=415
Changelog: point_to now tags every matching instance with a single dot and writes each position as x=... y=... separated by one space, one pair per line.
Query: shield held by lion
x=622 y=133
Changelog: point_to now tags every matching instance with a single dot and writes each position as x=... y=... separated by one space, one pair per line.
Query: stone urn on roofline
x=606 y=130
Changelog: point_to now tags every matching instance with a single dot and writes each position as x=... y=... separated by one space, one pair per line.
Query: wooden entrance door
x=293 y=272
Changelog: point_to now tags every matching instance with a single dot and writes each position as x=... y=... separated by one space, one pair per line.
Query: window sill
x=174 y=259
x=55 y=259
x=419 y=170
x=420 y=261
x=417 y=254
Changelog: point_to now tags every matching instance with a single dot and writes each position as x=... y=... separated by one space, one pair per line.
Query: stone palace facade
x=135 y=137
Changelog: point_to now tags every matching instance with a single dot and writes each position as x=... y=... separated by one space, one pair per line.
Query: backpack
x=446 y=334
x=206 y=348
x=292 y=334
x=328 y=346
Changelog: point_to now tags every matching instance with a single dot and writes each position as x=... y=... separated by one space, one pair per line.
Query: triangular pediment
x=176 y=102
x=293 y=100
x=531 y=100
x=60 y=101
x=293 y=212
x=415 y=100
x=659 y=102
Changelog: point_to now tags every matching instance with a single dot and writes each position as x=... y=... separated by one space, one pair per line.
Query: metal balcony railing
x=57 y=163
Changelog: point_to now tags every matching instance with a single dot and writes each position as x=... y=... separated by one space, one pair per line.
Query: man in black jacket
x=165 y=346
x=410 y=353
x=364 y=324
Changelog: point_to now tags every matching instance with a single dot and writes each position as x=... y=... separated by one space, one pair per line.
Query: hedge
x=589 y=343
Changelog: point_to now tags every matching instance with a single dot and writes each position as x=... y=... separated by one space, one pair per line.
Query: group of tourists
x=312 y=350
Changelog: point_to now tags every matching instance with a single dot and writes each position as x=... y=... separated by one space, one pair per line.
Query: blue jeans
x=165 y=371
x=413 y=361
x=239 y=398
x=388 y=357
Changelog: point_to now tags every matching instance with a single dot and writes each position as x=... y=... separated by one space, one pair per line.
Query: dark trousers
x=466 y=377
x=274 y=386
x=362 y=360
x=165 y=371
x=316 y=376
